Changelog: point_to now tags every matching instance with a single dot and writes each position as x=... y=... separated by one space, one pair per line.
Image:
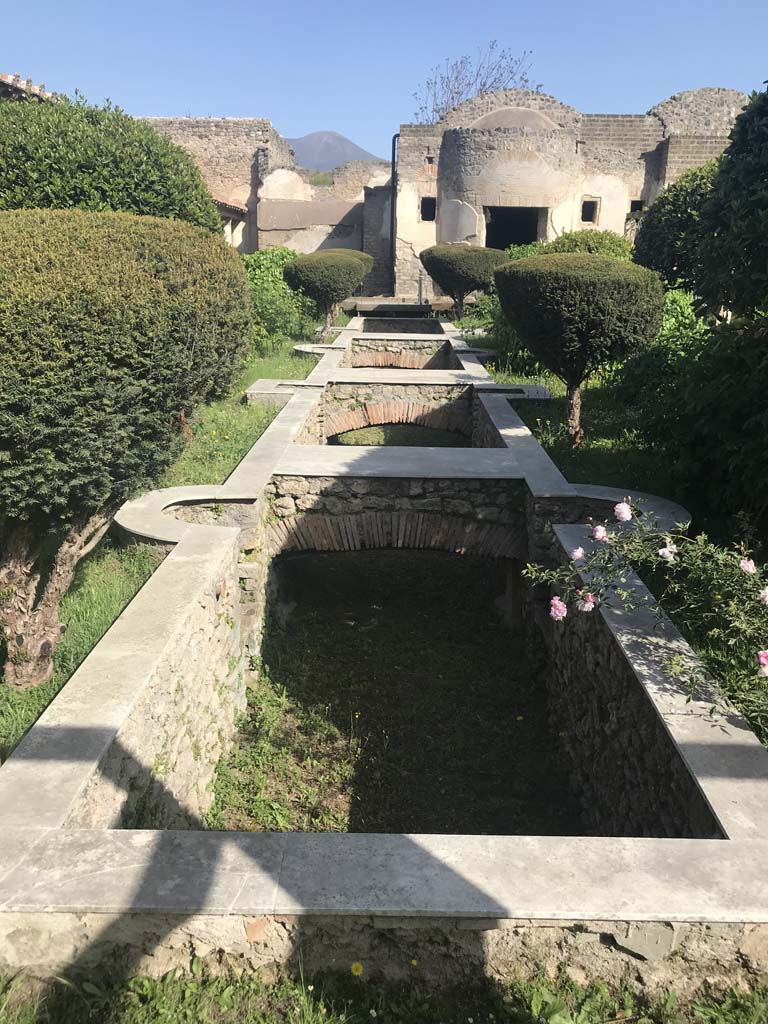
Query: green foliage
x=577 y=311
x=676 y=227
x=521 y=252
x=600 y=243
x=111 y=328
x=722 y=429
x=326 y=278
x=365 y=258
x=69 y=154
x=278 y=312
x=650 y=383
x=735 y=271
x=247 y=997
x=321 y=179
x=712 y=593
x=461 y=269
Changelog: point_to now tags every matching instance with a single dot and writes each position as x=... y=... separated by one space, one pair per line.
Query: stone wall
x=377 y=205
x=626 y=772
x=403 y=402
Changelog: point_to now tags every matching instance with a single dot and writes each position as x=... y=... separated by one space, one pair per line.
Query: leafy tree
x=735 y=259
x=112 y=328
x=461 y=269
x=69 y=154
x=602 y=243
x=277 y=310
x=326 y=278
x=454 y=81
x=676 y=227
x=577 y=312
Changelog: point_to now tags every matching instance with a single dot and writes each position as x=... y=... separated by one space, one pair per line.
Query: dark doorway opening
x=514 y=225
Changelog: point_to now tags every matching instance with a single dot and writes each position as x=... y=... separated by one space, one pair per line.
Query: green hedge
x=577 y=312
x=461 y=269
x=111 y=327
x=365 y=258
x=325 y=277
x=63 y=155
x=599 y=243
x=278 y=312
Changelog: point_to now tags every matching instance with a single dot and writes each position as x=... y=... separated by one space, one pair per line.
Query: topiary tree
x=365 y=258
x=461 y=269
x=69 y=154
x=599 y=243
x=735 y=258
x=112 y=328
x=326 y=278
x=577 y=312
x=669 y=239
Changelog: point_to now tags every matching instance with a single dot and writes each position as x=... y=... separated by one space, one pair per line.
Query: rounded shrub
x=461 y=269
x=365 y=258
x=326 y=278
x=599 y=243
x=112 y=328
x=669 y=239
x=576 y=312
x=69 y=154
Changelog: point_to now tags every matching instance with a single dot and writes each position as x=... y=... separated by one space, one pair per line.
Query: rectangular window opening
x=428 y=207
x=514 y=225
x=589 y=208
x=636 y=206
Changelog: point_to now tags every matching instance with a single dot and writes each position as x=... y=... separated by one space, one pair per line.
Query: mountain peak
x=325 y=151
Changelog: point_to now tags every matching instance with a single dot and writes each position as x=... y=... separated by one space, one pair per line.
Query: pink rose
x=748 y=566
x=762 y=661
x=578 y=553
x=669 y=550
x=623 y=511
x=763 y=596
x=557 y=609
x=586 y=602
x=600 y=533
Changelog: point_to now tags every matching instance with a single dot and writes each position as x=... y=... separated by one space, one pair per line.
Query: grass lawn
x=612 y=452
x=393 y=700
x=104 y=584
x=336 y=999
x=111 y=577
x=403 y=434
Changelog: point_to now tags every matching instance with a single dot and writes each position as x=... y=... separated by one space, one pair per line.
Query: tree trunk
x=458 y=305
x=330 y=316
x=30 y=621
x=575 y=432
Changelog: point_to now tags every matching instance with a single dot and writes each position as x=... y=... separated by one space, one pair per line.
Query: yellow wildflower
x=357 y=968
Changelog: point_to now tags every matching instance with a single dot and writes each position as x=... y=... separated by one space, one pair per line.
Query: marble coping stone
x=538 y=878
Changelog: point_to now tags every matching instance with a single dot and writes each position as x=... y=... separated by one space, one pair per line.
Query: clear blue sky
x=353 y=67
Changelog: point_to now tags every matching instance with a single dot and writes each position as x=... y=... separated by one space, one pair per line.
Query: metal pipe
x=393 y=212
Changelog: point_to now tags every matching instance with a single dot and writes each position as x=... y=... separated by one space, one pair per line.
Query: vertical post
x=393 y=212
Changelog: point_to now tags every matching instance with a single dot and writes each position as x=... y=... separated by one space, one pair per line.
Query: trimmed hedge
x=672 y=232
x=325 y=277
x=599 y=243
x=365 y=258
x=576 y=312
x=461 y=269
x=112 y=327
x=63 y=155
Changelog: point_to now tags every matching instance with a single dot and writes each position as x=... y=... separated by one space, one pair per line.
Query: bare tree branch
x=454 y=81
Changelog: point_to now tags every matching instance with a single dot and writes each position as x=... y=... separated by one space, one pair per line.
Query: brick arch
x=452 y=417
x=316 y=531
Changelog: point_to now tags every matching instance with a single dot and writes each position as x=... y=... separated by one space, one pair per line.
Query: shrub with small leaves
x=461 y=269
x=599 y=243
x=278 y=311
x=326 y=278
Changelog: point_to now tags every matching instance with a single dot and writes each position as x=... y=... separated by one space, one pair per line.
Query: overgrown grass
x=223 y=432
x=104 y=585
x=343 y=999
x=404 y=435
x=393 y=699
x=612 y=452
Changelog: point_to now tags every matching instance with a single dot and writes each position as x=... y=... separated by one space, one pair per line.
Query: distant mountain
x=324 y=151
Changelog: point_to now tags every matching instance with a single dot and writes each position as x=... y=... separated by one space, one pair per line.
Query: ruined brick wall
x=226 y=148
x=376 y=239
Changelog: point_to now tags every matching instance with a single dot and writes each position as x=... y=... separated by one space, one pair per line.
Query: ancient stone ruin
x=506 y=167
x=103 y=858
